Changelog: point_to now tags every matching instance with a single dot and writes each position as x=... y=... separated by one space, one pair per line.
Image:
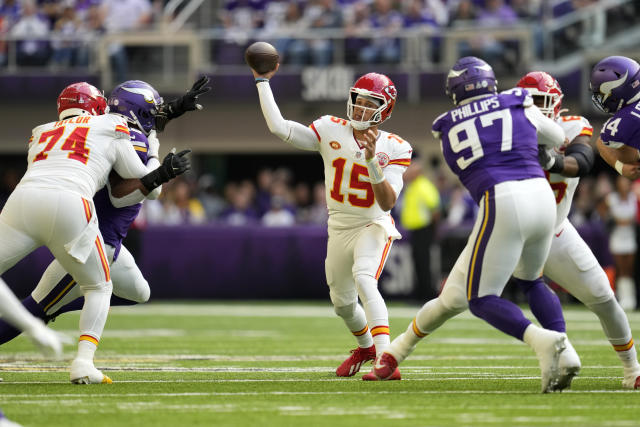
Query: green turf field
x=234 y=364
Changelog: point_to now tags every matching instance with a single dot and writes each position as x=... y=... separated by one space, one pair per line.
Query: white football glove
x=154 y=144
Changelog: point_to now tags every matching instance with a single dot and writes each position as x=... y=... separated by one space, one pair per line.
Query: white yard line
x=295 y=393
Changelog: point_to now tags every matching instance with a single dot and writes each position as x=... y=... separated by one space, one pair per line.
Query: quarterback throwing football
x=363 y=169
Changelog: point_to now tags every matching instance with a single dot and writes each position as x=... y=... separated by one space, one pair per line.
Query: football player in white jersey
x=68 y=160
x=571 y=264
x=363 y=169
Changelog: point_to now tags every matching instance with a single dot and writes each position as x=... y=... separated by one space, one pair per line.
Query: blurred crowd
x=371 y=27
x=60 y=32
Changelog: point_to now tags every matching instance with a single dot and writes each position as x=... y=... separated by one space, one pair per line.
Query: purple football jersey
x=115 y=222
x=489 y=141
x=623 y=127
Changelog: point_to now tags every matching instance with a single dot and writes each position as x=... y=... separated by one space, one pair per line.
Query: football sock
x=615 y=324
x=544 y=304
x=355 y=319
x=94 y=313
x=375 y=310
x=501 y=314
x=87 y=346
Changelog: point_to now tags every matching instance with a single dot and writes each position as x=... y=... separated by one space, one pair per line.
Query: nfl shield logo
x=469 y=87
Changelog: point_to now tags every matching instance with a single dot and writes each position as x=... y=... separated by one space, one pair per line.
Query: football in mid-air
x=262 y=57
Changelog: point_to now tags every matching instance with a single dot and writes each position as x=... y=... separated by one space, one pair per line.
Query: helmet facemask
x=550 y=102
x=375 y=117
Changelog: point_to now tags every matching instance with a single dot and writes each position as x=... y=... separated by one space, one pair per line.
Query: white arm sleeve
x=289 y=131
x=550 y=134
x=394 y=173
x=136 y=196
x=128 y=200
x=128 y=164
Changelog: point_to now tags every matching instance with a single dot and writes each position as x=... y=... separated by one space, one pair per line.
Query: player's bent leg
x=355 y=319
x=342 y=291
x=92 y=320
x=573 y=266
x=544 y=303
x=128 y=282
x=370 y=254
x=616 y=327
x=94 y=280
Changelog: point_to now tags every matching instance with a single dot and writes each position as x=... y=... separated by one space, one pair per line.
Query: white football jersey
x=350 y=197
x=564 y=187
x=76 y=154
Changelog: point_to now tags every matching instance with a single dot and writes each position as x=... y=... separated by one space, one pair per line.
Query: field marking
x=29 y=359
x=302 y=393
x=313 y=380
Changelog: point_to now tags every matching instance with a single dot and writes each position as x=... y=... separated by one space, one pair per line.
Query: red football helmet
x=81 y=98
x=544 y=85
x=377 y=87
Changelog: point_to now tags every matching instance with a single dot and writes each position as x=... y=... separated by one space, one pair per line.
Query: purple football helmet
x=615 y=82
x=470 y=77
x=138 y=102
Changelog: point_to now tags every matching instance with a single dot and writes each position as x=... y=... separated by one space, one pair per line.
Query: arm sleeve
x=550 y=134
x=394 y=173
x=128 y=164
x=130 y=199
x=294 y=133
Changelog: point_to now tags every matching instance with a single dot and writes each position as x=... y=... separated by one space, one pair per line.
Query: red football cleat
x=358 y=357
x=637 y=384
x=384 y=369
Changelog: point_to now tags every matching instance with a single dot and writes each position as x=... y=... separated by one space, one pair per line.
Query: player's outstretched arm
x=296 y=134
x=179 y=106
x=550 y=134
x=624 y=159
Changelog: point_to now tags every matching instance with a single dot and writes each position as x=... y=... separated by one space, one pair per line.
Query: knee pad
x=346 y=311
x=106 y=287
x=367 y=287
x=143 y=291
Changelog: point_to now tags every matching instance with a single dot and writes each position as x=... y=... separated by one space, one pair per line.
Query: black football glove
x=179 y=106
x=173 y=165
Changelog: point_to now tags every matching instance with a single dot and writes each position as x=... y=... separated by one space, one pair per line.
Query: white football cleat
x=83 y=372
x=46 y=340
x=548 y=347
x=568 y=367
x=632 y=378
